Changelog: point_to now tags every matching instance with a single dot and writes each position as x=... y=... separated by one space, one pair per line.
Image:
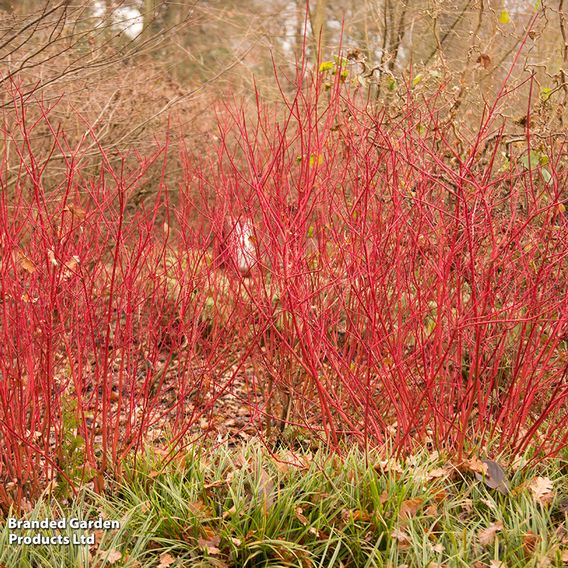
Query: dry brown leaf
x=530 y=542
x=300 y=516
x=437 y=472
x=210 y=544
x=475 y=465
x=541 y=488
x=410 y=507
x=440 y=496
x=383 y=497
x=76 y=211
x=497 y=564
x=166 y=560
x=198 y=508
x=361 y=516
x=210 y=541
x=487 y=536
x=113 y=556
x=402 y=538
x=564 y=556
x=431 y=511
x=484 y=60
x=26 y=263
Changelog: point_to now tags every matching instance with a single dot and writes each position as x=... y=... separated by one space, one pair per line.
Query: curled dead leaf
x=299 y=512
x=541 y=489
x=486 y=536
x=530 y=542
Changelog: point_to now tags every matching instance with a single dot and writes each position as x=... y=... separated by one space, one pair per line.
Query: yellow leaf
x=417 y=79
x=504 y=17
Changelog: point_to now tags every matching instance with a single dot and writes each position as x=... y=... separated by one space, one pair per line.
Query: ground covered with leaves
x=247 y=505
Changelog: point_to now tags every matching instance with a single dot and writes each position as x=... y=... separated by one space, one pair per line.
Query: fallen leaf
x=495 y=477
x=401 y=537
x=26 y=263
x=497 y=564
x=113 y=556
x=300 y=516
x=564 y=556
x=439 y=548
x=166 y=560
x=210 y=542
x=484 y=60
x=76 y=211
x=437 y=472
x=266 y=489
x=410 y=507
x=541 y=488
x=530 y=542
x=476 y=465
x=487 y=536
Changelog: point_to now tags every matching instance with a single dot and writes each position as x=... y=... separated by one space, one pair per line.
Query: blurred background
x=129 y=66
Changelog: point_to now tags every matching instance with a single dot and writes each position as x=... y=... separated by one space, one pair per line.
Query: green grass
x=241 y=507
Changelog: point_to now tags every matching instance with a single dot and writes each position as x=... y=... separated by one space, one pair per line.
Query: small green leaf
x=421 y=129
x=546 y=176
x=326 y=66
x=504 y=17
x=313 y=159
x=545 y=94
x=417 y=79
x=391 y=84
x=543 y=160
x=311 y=232
x=530 y=161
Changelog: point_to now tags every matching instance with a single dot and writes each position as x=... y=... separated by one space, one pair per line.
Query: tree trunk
x=318 y=25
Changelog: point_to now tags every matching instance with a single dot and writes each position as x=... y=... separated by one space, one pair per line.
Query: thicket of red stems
x=397 y=292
